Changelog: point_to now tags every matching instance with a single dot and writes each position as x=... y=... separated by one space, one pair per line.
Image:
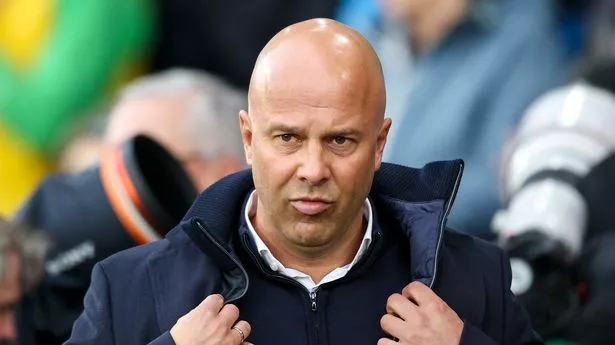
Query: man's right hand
x=211 y=323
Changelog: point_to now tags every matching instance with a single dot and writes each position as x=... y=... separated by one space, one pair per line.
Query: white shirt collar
x=301 y=277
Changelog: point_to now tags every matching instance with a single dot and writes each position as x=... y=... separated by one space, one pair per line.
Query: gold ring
x=241 y=334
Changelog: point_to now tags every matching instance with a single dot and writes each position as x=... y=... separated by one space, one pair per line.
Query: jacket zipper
x=314 y=293
x=315 y=311
x=447 y=210
x=311 y=294
x=313 y=299
x=219 y=246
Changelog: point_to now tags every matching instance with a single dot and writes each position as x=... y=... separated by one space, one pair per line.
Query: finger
x=419 y=293
x=385 y=341
x=400 y=306
x=229 y=315
x=241 y=331
x=393 y=325
x=213 y=303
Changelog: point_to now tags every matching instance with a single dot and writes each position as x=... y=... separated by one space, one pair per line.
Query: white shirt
x=299 y=276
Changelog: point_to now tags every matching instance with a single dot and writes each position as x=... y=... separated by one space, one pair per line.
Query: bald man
x=319 y=242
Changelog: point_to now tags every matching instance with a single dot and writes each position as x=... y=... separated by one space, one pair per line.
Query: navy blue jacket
x=136 y=296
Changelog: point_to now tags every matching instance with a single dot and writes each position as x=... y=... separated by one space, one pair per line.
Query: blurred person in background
x=85 y=146
x=80 y=152
x=21 y=263
x=459 y=75
x=601 y=31
x=168 y=136
x=192 y=114
x=58 y=59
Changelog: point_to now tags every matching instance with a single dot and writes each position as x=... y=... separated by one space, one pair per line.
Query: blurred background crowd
x=114 y=114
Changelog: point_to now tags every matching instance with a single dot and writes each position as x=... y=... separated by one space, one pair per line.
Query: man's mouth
x=311 y=206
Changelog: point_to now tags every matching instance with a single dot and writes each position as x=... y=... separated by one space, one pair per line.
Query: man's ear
x=245 y=126
x=381 y=141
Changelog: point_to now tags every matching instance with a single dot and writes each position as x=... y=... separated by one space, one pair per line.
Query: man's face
x=10 y=293
x=313 y=151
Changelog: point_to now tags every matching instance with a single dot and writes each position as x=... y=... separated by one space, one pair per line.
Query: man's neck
x=315 y=262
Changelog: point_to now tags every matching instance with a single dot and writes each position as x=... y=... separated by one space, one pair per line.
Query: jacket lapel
x=200 y=277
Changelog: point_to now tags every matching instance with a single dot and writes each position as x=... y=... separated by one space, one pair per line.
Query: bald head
x=320 y=62
x=314 y=139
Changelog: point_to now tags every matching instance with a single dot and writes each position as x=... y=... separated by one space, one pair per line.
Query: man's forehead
x=332 y=103
x=305 y=67
x=315 y=86
x=306 y=97
x=302 y=118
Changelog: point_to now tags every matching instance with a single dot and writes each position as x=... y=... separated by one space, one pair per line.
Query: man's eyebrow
x=343 y=132
x=276 y=127
x=280 y=127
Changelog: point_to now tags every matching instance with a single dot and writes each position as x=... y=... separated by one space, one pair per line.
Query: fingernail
x=215 y=296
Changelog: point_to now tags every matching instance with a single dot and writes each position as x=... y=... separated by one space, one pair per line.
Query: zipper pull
x=313 y=298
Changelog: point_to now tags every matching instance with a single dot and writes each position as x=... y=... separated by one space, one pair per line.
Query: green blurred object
x=90 y=43
x=560 y=342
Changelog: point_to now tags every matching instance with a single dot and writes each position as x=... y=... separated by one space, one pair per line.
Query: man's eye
x=340 y=140
x=286 y=137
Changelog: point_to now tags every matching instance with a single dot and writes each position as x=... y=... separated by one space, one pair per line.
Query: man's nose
x=7 y=328
x=313 y=167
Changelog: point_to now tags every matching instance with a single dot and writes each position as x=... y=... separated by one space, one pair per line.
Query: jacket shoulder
x=477 y=286
x=467 y=246
x=135 y=260
x=473 y=265
x=122 y=291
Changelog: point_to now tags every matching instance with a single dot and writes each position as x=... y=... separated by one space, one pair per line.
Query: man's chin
x=309 y=232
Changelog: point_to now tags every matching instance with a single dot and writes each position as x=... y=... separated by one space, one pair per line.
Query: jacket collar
x=418 y=200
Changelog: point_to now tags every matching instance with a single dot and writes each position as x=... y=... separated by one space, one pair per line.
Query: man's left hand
x=419 y=316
